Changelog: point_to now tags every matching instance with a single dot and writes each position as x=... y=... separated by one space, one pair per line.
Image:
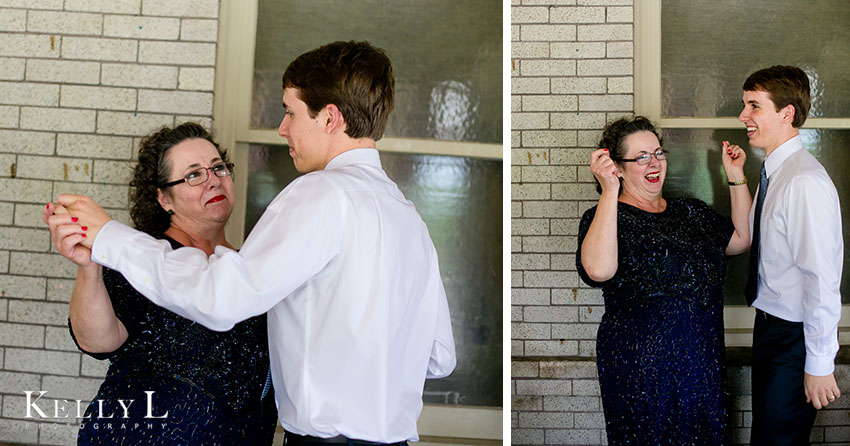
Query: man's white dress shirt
x=802 y=251
x=347 y=271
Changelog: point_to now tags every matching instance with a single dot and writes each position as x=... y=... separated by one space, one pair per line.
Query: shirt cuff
x=819 y=365
x=107 y=244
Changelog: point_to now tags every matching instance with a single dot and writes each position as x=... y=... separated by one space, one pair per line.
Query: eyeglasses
x=644 y=158
x=201 y=175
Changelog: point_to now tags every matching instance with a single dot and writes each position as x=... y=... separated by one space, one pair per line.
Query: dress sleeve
x=583 y=226
x=719 y=228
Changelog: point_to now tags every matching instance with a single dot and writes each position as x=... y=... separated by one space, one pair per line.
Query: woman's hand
x=605 y=170
x=67 y=234
x=733 y=158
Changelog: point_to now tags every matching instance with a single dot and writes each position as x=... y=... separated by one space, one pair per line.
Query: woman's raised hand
x=605 y=170
x=734 y=159
x=66 y=234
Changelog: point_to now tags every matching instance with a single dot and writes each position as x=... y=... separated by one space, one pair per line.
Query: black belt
x=290 y=439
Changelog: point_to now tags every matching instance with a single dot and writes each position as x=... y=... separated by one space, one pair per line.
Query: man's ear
x=333 y=118
x=788 y=113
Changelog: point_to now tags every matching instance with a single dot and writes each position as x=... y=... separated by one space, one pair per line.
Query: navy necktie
x=751 y=291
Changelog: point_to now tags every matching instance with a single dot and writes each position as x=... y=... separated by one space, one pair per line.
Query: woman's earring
x=170 y=212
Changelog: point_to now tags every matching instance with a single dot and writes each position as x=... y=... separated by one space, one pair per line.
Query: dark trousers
x=781 y=415
x=290 y=439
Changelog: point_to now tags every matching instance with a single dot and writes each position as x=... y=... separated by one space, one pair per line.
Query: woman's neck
x=205 y=240
x=654 y=204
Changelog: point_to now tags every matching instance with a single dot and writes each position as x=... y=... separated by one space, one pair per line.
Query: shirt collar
x=355 y=156
x=781 y=153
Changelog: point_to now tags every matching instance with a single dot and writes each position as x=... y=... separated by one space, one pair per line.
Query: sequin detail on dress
x=209 y=382
x=660 y=347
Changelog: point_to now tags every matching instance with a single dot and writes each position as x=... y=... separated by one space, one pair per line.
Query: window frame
x=231 y=122
x=738 y=318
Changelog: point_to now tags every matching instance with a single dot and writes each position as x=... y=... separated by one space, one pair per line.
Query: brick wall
x=571 y=72
x=80 y=82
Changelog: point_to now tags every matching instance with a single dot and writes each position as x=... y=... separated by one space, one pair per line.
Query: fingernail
x=84 y=236
x=74 y=219
x=605 y=150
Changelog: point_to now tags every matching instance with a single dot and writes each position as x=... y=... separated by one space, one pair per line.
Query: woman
x=212 y=385
x=660 y=264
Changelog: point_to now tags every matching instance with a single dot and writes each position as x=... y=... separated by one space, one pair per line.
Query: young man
x=796 y=260
x=342 y=262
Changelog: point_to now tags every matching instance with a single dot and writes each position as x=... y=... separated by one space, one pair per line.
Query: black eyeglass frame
x=206 y=170
x=649 y=157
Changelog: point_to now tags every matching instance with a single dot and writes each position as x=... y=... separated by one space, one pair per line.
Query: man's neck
x=345 y=144
x=786 y=137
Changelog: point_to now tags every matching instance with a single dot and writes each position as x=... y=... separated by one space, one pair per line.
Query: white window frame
x=231 y=121
x=738 y=318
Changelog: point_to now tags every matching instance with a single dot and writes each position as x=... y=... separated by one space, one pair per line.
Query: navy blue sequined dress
x=660 y=348
x=210 y=383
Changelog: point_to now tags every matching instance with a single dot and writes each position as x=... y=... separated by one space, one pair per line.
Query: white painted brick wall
x=197 y=79
x=80 y=82
x=177 y=53
x=14 y=141
x=53 y=22
x=139 y=27
x=13 y=20
x=29 y=45
x=12 y=68
x=181 y=8
x=571 y=69
x=199 y=30
x=143 y=76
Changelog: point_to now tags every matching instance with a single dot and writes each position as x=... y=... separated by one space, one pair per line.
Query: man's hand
x=820 y=390
x=89 y=214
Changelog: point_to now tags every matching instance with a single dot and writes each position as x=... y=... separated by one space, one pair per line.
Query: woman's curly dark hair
x=153 y=170
x=614 y=136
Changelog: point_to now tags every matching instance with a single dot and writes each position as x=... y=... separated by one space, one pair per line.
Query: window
x=691 y=61
x=442 y=147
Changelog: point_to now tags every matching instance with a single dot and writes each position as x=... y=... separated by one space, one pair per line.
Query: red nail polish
x=85 y=228
x=84 y=236
x=74 y=219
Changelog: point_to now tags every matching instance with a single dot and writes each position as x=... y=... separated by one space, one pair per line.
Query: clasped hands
x=74 y=224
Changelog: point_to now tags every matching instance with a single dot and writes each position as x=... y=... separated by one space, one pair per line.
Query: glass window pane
x=460 y=199
x=709 y=48
x=446 y=58
x=694 y=169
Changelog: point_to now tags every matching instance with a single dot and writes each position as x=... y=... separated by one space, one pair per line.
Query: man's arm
x=815 y=239
x=294 y=239
x=443 y=358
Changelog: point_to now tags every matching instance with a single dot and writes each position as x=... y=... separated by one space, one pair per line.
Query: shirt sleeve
x=297 y=235
x=816 y=244
x=443 y=358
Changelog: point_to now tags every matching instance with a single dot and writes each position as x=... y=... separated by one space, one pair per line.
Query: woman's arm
x=599 y=247
x=93 y=320
x=733 y=158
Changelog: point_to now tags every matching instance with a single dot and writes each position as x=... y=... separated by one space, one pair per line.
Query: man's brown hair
x=785 y=85
x=355 y=76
